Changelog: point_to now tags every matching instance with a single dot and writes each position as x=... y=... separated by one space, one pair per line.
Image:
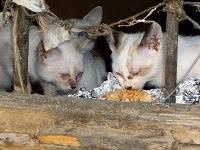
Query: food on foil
x=128 y=95
x=187 y=92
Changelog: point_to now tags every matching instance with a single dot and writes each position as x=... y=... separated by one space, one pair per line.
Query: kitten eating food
x=138 y=58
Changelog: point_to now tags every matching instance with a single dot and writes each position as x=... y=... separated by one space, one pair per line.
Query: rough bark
x=21 y=46
x=98 y=124
x=173 y=8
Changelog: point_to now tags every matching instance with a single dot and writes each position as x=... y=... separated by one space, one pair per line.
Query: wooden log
x=173 y=8
x=97 y=124
x=21 y=45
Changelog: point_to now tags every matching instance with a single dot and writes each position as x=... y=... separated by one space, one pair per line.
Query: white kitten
x=70 y=65
x=139 y=58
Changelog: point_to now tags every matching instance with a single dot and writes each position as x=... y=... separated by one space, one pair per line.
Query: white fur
x=70 y=57
x=72 y=61
x=6 y=57
x=93 y=67
x=188 y=51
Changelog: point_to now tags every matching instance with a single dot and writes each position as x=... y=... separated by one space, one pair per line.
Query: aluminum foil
x=188 y=92
x=157 y=94
x=81 y=93
x=111 y=84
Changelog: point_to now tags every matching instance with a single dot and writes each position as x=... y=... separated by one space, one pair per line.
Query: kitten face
x=63 y=66
x=136 y=57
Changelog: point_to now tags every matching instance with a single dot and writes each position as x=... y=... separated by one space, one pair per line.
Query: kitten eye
x=79 y=75
x=145 y=70
x=134 y=74
x=119 y=74
x=65 y=75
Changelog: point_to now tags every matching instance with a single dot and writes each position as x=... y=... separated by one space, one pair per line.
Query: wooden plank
x=173 y=7
x=99 y=124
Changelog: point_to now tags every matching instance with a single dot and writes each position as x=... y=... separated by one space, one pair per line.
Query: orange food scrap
x=59 y=140
x=128 y=95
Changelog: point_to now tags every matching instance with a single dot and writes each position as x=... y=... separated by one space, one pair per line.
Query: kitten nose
x=128 y=87
x=72 y=83
x=73 y=87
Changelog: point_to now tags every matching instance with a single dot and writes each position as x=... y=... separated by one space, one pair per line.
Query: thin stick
x=196 y=24
x=136 y=15
x=136 y=21
x=191 y=3
x=21 y=46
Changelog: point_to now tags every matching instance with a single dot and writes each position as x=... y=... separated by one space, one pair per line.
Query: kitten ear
x=152 y=38
x=47 y=56
x=94 y=17
x=114 y=39
x=86 y=44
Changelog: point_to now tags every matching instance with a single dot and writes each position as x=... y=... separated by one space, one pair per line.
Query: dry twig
x=195 y=24
x=132 y=18
x=104 y=30
x=192 y=3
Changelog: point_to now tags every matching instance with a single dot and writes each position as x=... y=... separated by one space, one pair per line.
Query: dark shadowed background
x=114 y=10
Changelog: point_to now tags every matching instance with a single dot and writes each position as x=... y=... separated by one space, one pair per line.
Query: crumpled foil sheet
x=188 y=92
x=111 y=84
x=82 y=93
x=157 y=94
